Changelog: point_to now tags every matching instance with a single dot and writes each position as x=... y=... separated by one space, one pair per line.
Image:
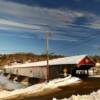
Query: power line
x=86 y=42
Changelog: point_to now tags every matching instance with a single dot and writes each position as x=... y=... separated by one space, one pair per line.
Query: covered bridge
x=75 y=65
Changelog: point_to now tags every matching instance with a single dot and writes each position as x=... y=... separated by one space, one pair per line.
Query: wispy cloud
x=10 y=23
x=19 y=17
x=35 y=18
x=37 y=15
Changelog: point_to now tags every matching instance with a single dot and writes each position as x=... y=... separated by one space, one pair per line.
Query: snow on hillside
x=39 y=87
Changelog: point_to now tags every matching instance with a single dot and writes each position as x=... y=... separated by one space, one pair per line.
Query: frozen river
x=6 y=84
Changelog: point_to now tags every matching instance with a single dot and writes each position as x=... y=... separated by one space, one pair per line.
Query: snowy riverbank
x=39 y=87
x=92 y=96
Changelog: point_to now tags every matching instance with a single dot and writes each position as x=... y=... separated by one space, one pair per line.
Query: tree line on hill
x=9 y=59
x=96 y=58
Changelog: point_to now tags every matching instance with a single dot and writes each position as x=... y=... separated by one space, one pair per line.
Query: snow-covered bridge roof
x=58 y=61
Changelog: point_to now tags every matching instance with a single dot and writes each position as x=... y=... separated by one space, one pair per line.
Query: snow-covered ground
x=92 y=96
x=62 y=82
x=36 y=88
x=98 y=76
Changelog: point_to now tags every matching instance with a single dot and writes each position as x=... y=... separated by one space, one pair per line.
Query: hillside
x=23 y=57
x=8 y=59
x=96 y=58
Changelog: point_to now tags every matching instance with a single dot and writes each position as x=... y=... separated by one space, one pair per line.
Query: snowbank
x=98 y=76
x=62 y=82
x=92 y=96
x=39 y=87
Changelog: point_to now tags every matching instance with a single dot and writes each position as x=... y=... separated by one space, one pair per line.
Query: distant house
x=97 y=64
x=74 y=65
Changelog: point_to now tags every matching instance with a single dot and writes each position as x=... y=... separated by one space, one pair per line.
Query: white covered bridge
x=57 y=67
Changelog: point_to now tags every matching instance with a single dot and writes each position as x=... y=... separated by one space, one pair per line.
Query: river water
x=6 y=84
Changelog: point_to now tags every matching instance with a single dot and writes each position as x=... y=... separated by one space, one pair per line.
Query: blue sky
x=74 y=26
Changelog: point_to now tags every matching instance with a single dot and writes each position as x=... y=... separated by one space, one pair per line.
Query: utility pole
x=47 y=54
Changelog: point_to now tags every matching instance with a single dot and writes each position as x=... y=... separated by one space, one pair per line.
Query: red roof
x=86 y=61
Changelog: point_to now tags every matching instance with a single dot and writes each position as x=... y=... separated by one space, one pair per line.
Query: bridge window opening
x=30 y=71
x=17 y=71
